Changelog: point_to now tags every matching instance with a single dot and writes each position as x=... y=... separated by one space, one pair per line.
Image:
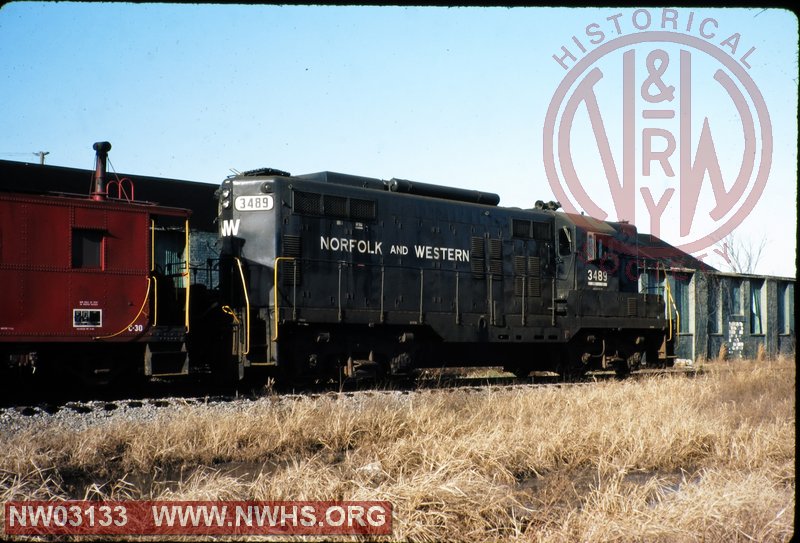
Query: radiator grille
x=335 y=206
x=520 y=228
x=307 y=203
x=541 y=231
x=362 y=210
x=289 y=270
x=477 y=257
x=527 y=272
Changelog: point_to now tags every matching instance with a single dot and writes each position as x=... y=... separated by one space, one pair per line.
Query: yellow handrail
x=229 y=311
x=188 y=276
x=125 y=329
x=670 y=301
x=677 y=314
x=152 y=245
x=247 y=307
x=275 y=293
x=155 y=301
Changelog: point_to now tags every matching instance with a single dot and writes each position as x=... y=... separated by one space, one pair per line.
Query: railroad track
x=171 y=395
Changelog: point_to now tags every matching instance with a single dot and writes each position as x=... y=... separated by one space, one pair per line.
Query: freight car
x=331 y=276
x=93 y=287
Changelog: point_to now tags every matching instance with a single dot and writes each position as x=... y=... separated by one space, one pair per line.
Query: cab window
x=564 y=241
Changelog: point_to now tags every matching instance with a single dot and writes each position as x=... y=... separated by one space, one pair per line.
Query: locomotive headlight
x=226 y=193
x=226 y=204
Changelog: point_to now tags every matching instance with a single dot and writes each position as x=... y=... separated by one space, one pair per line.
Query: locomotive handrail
x=247 y=307
x=276 y=305
x=206 y=274
x=152 y=245
x=677 y=314
x=126 y=328
x=282 y=299
x=155 y=301
x=339 y=295
x=383 y=283
x=187 y=274
x=670 y=302
x=421 y=294
x=340 y=265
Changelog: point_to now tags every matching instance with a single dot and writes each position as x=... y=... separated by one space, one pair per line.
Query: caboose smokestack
x=102 y=148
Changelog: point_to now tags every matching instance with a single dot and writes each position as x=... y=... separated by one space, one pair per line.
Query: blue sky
x=455 y=96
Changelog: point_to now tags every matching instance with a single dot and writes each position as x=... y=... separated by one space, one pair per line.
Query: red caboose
x=93 y=286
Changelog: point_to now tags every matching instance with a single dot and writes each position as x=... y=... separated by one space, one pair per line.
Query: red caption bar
x=198 y=518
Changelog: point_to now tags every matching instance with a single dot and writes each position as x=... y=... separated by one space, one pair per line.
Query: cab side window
x=564 y=241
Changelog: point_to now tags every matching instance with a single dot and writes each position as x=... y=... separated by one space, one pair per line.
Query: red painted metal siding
x=43 y=297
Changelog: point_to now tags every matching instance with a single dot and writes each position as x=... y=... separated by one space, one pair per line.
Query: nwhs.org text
x=198 y=517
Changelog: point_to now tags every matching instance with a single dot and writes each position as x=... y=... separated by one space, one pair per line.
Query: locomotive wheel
x=366 y=369
x=571 y=366
x=571 y=370
x=624 y=366
x=621 y=368
x=652 y=360
x=520 y=371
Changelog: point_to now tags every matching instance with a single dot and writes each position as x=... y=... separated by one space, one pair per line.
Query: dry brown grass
x=671 y=458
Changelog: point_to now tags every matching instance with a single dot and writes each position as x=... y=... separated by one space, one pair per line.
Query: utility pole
x=41 y=156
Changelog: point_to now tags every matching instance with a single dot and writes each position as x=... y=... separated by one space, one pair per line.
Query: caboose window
x=87 y=248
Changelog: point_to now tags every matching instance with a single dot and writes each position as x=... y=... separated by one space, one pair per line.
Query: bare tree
x=743 y=256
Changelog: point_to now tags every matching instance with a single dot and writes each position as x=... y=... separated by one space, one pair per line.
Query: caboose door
x=169 y=269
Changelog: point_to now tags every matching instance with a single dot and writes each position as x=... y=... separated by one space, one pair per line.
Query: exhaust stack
x=99 y=191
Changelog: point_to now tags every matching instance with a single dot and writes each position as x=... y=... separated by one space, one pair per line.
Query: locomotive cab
x=617 y=327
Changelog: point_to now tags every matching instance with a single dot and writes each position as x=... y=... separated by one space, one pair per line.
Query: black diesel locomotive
x=330 y=275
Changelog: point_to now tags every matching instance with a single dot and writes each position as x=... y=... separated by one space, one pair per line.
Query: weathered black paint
x=401 y=279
